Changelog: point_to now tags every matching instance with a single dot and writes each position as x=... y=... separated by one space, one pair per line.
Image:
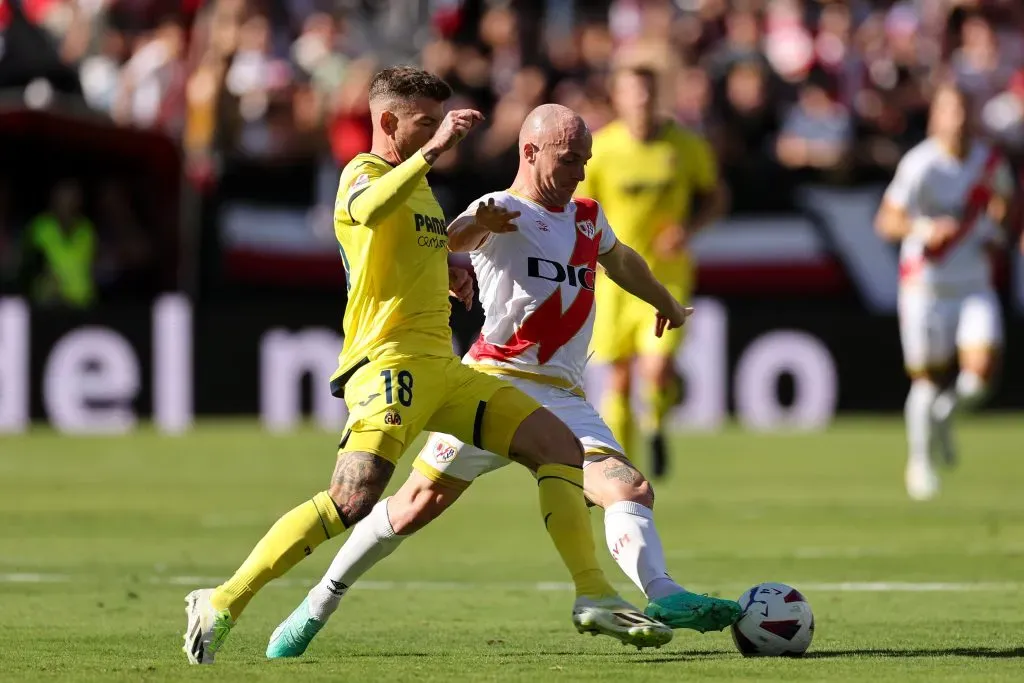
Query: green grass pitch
x=100 y=539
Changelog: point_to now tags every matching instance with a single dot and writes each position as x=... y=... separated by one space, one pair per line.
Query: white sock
x=918 y=414
x=967 y=393
x=636 y=547
x=371 y=541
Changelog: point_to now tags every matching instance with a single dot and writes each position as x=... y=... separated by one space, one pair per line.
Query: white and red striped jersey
x=537 y=287
x=931 y=183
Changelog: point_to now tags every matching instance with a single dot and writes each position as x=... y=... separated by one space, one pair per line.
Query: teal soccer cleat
x=693 y=611
x=293 y=636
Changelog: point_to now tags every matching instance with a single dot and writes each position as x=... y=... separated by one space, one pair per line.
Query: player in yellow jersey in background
x=399 y=375
x=658 y=184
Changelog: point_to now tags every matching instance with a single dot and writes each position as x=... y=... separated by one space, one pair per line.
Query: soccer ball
x=776 y=622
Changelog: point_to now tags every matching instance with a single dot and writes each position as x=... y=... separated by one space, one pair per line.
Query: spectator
x=153 y=80
x=270 y=81
x=742 y=128
x=746 y=119
x=100 y=73
x=126 y=265
x=259 y=82
x=59 y=252
x=693 y=97
x=816 y=132
x=1003 y=116
x=788 y=44
x=978 y=65
x=742 y=43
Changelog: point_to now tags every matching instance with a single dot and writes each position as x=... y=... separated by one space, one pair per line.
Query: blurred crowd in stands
x=832 y=91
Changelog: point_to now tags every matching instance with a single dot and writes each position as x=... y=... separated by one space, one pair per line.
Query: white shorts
x=932 y=328
x=448 y=460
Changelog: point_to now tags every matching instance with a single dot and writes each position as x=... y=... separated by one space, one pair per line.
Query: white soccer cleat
x=206 y=628
x=615 y=617
x=921 y=480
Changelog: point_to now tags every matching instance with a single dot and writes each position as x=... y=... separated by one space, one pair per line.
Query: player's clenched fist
x=940 y=231
x=460 y=286
x=672 y=318
x=456 y=124
x=495 y=218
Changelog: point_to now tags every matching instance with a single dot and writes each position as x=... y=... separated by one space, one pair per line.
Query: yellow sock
x=618 y=415
x=291 y=538
x=660 y=401
x=568 y=523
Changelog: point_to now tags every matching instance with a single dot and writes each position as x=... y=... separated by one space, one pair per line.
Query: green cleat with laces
x=698 y=612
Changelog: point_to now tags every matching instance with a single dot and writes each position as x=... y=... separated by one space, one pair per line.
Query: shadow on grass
x=977 y=652
x=670 y=657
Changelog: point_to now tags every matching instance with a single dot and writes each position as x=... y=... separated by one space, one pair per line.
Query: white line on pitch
x=547 y=586
x=838 y=553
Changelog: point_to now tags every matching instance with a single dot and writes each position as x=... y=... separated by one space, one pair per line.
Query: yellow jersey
x=645 y=186
x=394 y=245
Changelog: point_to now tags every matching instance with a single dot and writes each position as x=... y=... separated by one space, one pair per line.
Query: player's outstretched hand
x=495 y=218
x=456 y=124
x=671 y=319
x=460 y=285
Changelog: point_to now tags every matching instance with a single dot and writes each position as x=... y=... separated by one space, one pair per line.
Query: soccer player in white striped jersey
x=535 y=251
x=946 y=204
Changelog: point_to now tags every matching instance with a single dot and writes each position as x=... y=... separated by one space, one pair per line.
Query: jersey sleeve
x=370 y=189
x=608 y=238
x=903 y=188
x=355 y=178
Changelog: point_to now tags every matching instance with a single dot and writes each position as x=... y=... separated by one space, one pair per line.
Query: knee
x=617 y=482
x=618 y=379
x=640 y=492
x=931 y=377
x=411 y=512
x=543 y=439
x=660 y=372
x=979 y=367
x=643 y=493
x=352 y=505
x=357 y=484
x=562 y=449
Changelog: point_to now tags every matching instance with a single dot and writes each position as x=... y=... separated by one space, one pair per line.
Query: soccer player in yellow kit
x=648 y=173
x=399 y=375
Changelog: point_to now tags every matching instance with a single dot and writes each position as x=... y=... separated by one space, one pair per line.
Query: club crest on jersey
x=391 y=417
x=587 y=228
x=360 y=181
x=444 y=452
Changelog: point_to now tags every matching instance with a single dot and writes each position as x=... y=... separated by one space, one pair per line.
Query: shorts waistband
x=537 y=377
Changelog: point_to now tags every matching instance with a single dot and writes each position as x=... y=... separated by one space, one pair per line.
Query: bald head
x=554 y=147
x=551 y=124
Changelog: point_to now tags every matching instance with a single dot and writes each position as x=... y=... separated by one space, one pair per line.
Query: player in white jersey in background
x=535 y=251
x=946 y=204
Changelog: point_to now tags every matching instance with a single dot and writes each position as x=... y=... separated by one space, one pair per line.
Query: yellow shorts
x=392 y=399
x=624 y=325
